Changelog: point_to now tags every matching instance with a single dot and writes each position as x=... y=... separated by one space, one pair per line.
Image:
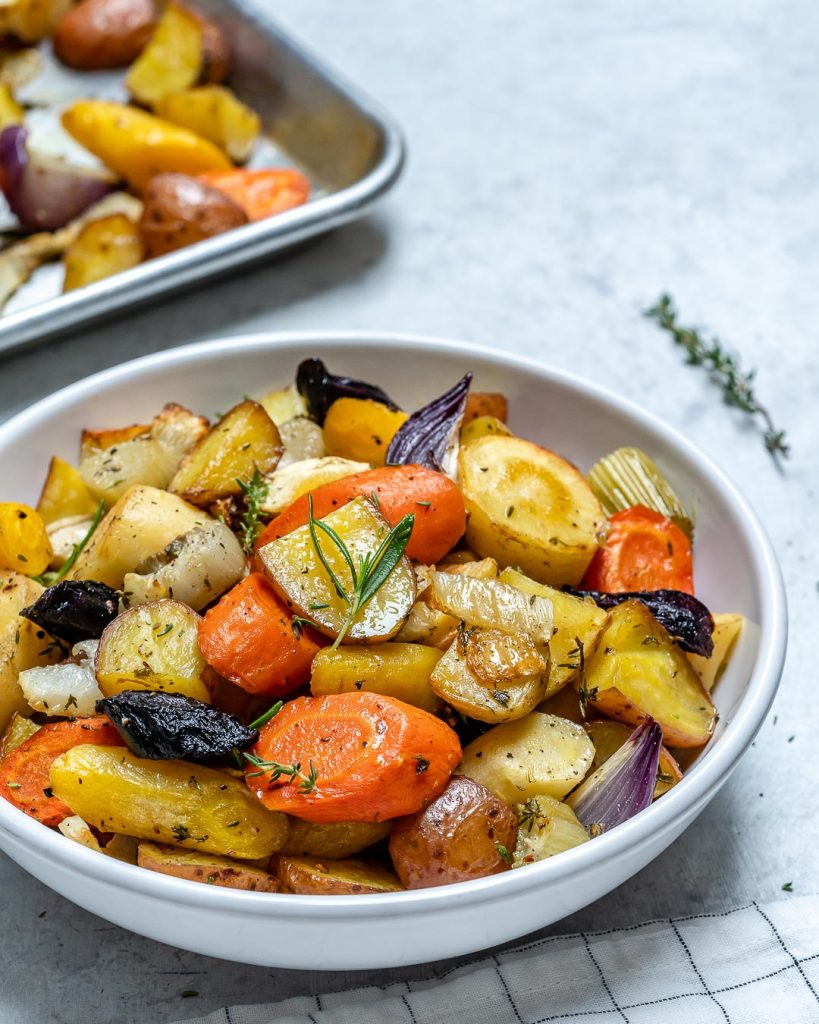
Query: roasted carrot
x=352 y=757
x=644 y=551
x=251 y=638
x=485 y=403
x=435 y=500
x=24 y=772
x=261 y=193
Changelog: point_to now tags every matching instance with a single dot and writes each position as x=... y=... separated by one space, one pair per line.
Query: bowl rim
x=708 y=773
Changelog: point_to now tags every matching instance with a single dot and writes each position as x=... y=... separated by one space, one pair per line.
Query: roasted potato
x=216 y=55
x=485 y=403
x=608 y=737
x=535 y=755
x=489 y=604
x=18 y=730
x=215 y=113
x=483 y=426
x=293 y=566
x=142 y=523
x=10 y=110
x=31 y=20
x=528 y=507
x=99 y=34
x=565 y=703
x=24 y=543
x=361 y=429
x=153 y=647
x=179 y=211
x=637 y=670
x=67 y=690
x=243 y=441
x=172 y=58
x=466 y=832
x=64 y=493
x=290 y=482
x=204 y=867
x=110 y=437
x=284 y=404
x=727 y=627
x=547 y=827
x=104 y=247
x=577 y=624
x=490 y=675
x=395 y=670
x=170 y=802
x=334 y=840
x=311 y=876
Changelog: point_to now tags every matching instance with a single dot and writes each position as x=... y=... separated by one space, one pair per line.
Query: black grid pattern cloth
x=755 y=965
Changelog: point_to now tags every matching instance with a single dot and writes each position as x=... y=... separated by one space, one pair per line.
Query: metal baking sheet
x=349 y=148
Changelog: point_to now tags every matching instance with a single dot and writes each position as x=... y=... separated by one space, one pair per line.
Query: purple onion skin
x=610 y=797
x=423 y=439
x=45 y=194
x=320 y=388
x=687 y=619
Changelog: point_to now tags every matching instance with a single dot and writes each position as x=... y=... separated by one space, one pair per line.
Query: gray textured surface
x=567 y=162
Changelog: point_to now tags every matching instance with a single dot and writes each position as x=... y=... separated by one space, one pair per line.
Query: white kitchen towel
x=755 y=965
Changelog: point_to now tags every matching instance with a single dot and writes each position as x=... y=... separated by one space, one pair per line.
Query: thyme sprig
x=255 y=492
x=307 y=783
x=47 y=579
x=725 y=370
x=372 y=570
x=585 y=694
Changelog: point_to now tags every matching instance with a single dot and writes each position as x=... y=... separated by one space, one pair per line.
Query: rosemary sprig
x=307 y=783
x=255 y=492
x=49 y=578
x=372 y=570
x=737 y=385
x=257 y=723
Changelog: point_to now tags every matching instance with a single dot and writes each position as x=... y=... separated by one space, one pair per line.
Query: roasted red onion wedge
x=430 y=436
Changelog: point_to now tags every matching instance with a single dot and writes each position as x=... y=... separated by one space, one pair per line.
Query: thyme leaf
x=307 y=783
x=255 y=492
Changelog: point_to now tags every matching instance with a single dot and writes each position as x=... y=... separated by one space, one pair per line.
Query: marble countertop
x=566 y=164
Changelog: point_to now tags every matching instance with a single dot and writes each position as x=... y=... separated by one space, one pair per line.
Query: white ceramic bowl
x=736 y=571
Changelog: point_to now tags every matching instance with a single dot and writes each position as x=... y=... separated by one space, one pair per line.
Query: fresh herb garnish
x=586 y=694
x=255 y=492
x=257 y=723
x=297 y=624
x=307 y=783
x=165 y=631
x=49 y=578
x=529 y=814
x=376 y=502
x=737 y=385
x=503 y=853
x=787 y=887
x=372 y=570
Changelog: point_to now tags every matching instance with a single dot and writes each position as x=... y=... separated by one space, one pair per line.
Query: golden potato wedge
x=153 y=647
x=141 y=523
x=102 y=248
x=64 y=493
x=528 y=507
x=464 y=833
x=216 y=114
x=394 y=670
x=170 y=802
x=31 y=20
x=284 y=404
x=485 y=403
x=727 y=627
x=483 y=426
x=293 y=566
x=100 y=440
x=290 y=482
x=172 y=59
x=637 y=670
x=489 y=604
x=577 y=624
x=490 y=675
x=312 y=876
x=24 y=544
x=244 y=440
x=536 y=755
x=547 y=826
x=18 y=730
x=204 y=867
x=608 y=737
x=564 y=703
x=361 y=429
x=334 y=840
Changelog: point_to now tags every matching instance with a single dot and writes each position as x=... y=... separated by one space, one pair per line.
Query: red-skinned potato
x=215 y=51
x=179 y=210
x=100 y=34
x=467 y=832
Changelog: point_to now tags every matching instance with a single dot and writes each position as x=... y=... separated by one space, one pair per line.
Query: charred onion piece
x=687 y=620
x=74 y=610
x=320 y=388
x=170 y=726
x=430 y=435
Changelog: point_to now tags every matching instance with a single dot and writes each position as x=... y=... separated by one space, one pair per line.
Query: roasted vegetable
x=205 y=867
x=335 y=839
x=547 y=827
x=168 y=726
x=29 y=21
x=313 y=593
x=628 y=477
x=538 y=754
x=483 y=426
x=528 y=508
x=18 y=730
x=320 y=389
x=288 y=484
x=312 y=876
x=24 y=543
x=361 y=429
x=243 y=441
x=153 y=647
x=172 y=59
x=104 y=247
x=264 y=192
x=466 y=832
x=74 y=610
x=396 y=670
x=727 y=627
x=64 y=493
x=11 y=112
x=303 y=441
x=430 y=436
x=637 y=671
x=180 y=210
x=98 y=34
x=215 y=113
x=608 y=737
x=687 y=620
x=166 y=801
x=285 y=404
x=65 y=690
